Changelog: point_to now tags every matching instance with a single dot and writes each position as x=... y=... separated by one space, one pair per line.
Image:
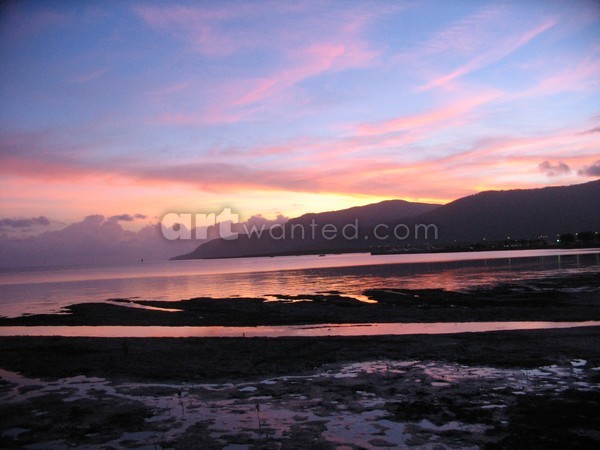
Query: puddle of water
x=131 y=304
x=368 y=329
x=361 y=418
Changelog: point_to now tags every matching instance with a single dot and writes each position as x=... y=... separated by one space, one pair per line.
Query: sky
x=121 y=112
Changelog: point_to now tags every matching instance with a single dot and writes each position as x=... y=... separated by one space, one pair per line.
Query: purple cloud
x=591 y=131
x=24 y=223
x=590 y=171
x=126 y=217
x=555 y=170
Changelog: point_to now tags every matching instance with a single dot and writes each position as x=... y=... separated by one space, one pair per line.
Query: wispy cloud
x=89 y=75
x=565 y=144
x=305 y=63
x=367 y=161
x=497 y=52
x=319 y=44
x=581 y=76
x=453 y=112
x=464 y=36
x=201 y=27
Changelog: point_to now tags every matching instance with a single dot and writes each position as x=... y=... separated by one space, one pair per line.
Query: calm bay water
x=48 y=290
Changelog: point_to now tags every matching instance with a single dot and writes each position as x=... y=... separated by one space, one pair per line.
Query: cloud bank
x=98 y=240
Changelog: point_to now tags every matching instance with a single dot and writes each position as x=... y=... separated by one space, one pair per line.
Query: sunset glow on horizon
x=146 y=107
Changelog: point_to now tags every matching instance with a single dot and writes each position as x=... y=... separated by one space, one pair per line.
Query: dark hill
x=290 y=239
x=518 y=214
x=490 y=215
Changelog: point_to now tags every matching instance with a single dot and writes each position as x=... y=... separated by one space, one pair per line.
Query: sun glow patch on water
x=362 y=298
x=276 y=299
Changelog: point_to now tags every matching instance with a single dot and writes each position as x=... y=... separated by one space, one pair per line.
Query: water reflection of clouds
x=16 y=299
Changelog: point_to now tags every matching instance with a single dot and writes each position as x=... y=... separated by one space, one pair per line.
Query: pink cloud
x=305 y=63
x=374 y=161
x=207 y=117
x=497 y=52
x=199 y=26
x=438 y=178
x=464 y=36
x=582 y=76
x=50 y=171
x=441 y=116
x=509 y=155
x=304 y=52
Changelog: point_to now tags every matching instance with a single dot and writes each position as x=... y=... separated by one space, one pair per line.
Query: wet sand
x=517 y=389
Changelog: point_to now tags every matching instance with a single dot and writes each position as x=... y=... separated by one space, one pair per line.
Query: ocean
x=47 y=290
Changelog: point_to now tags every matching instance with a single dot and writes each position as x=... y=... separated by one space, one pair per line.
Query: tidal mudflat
x=517 y=389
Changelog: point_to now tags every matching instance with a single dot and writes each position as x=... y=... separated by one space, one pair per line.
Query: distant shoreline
x=466 y=248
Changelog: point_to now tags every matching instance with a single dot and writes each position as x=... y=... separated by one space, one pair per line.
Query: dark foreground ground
x=518 y=389
x=226 y=359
